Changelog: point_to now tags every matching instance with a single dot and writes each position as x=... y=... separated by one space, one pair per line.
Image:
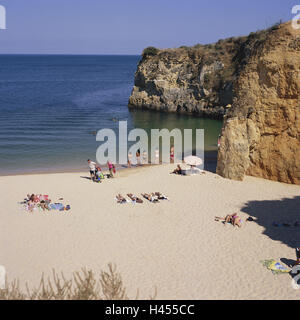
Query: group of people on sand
x=42 y=202
x=96 y=172
x=152 y=197
x=142 y=158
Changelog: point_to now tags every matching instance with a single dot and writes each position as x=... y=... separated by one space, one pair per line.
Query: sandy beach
x=175 y=246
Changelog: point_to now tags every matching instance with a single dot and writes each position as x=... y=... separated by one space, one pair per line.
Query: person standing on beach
x=92 y=166
x=219 y=141
x=156 y=156
x=172 y=154
x=145 y=157
x=111 y=168
x=129 y=159
x=138 y=157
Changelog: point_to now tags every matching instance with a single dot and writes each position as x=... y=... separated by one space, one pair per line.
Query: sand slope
x=174 y=245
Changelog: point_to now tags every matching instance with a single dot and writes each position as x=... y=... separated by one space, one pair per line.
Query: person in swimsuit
x=134 y=198
x=111 y=169
x=151 y=197
x=178 y=170
x=145 y=157
x=129 y=159
x=161 y=196
x=120 y=199
x=138 y=157
x=172 y=154
x=157 y=156
x=234 y=219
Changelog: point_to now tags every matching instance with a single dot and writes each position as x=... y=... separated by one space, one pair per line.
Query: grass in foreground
x=84 y=285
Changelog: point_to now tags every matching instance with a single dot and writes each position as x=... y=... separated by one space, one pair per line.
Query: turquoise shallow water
x=50 y=105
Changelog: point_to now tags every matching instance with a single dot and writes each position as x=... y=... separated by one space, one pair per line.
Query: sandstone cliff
x=195 y=80
x=261 y=132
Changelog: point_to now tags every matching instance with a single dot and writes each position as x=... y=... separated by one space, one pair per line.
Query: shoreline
x=83 y=170
x=210 y=163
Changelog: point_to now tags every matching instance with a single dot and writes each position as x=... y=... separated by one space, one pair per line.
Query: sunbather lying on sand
x=178 y=170
x=44 y=205
x=134 y=198
x=151 y=197
x=161 y=196
x=234 y=219
x=120 y=199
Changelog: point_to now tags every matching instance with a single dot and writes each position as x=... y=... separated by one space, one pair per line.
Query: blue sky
x=128 y=26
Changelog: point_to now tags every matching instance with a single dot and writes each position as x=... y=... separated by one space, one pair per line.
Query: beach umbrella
x=193 y=161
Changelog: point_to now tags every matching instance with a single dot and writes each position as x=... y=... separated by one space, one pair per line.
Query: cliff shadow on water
x=278 y=217
x=148 y=119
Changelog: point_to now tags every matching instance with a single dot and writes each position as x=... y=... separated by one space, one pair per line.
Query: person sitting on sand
x=99 y=174
x=120 y=199
x=92 y=166
x=234 y=219
x=151 y=197
x=134 y=198
x=298 y=257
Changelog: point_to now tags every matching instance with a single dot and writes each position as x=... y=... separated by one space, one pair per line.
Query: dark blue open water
x=51 y=104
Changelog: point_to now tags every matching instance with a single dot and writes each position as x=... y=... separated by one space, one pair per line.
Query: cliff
x=194 y=80
x=197 y=80
x=261 y=132
x=253 y=81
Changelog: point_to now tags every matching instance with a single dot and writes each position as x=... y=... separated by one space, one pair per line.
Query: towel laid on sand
x=275 y=267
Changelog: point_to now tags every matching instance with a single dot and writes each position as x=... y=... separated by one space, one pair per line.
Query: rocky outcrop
x=194 y=80
x=261 y=132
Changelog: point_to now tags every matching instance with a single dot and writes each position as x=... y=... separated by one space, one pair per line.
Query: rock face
x=261 y=132
x=195 y=80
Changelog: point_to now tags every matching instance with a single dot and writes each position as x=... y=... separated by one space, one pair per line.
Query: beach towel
x=275 y=267
x=56 y=206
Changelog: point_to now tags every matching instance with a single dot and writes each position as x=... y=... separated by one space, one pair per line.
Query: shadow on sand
x=279 y=218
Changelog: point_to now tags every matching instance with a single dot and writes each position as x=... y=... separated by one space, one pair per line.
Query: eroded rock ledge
x=195 y=80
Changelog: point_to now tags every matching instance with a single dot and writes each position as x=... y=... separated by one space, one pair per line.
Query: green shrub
x=198 y=46
x=150 y=51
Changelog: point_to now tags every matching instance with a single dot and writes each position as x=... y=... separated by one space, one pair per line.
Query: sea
x=51 y=106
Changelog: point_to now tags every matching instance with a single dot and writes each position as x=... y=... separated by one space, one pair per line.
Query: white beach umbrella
x=193 y=161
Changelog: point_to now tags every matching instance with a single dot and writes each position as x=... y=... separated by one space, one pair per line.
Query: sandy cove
x=175 y=246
